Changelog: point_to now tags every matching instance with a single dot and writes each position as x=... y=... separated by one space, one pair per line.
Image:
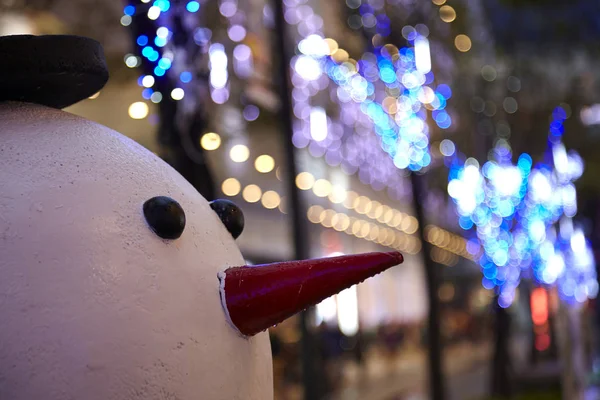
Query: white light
x=507 y=180
x=541 y=188
x=162 y=32
x=575 y=165
x=153 y=12
x=447 y=147
x=561 y=161
x=314 y=45
x=318 y=124
x=578 y=242
x=537 y=230
x=132 y=61
x=554 y=268
x=177 y=94
x=326 y=310
x=566 y=227
x=422 y=55
x=591 y=115
x=218 y=65
x=218 y=78
x=138 y=110
x=347 y=310
x=218 y=58
x=148 y=81
x=308 y=68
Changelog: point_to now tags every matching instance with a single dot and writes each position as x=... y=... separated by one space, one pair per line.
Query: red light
x=542 y=342
x=539 y=306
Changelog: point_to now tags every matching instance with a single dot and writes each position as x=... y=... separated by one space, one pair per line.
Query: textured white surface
x=93 y=304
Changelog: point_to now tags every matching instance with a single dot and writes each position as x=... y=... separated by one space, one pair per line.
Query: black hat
x=55 y=71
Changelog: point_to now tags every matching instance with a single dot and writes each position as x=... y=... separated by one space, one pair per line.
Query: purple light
x=237 y=33
x=228 y=9
x=251 y=113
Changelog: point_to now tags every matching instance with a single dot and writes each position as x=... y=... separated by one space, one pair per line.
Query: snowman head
x=118 y=280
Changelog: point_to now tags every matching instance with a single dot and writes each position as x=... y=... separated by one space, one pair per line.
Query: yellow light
x=322 y=188
x=374 y=234
x=388 y=215
x=278 y=174
x=251 y=193
x=283 y=205
x=462 y=43
x=337 y=195
x=447 y=13
x=373 y=209
x=314 y=213
x=340 y=55
x=390 y=105
x=383 y=234
x=332 y=44
x=410 y=225
x=231 y=187
x=398 y=218
x=270 y=199
x=94 y=96
x=426 y=95
x=327 y=220
x=177 y=93
x=342 y=223
x=239 y=153
x=362 y=205
x=365 y=230
x=350 y=199
x=356 y=227
x=305 y=180
x=438 y=2
x=264 y=163
x=138 y=110
x=378 y=211
x=351 y=221
x=210 y=141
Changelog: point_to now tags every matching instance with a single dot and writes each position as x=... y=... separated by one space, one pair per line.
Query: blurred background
x=463 y=133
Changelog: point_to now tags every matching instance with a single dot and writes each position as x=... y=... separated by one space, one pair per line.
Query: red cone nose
x=261 y=296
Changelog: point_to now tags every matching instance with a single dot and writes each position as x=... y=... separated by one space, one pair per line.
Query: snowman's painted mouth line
x=259 y=297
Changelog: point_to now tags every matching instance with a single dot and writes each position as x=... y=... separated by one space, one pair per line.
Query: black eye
x=231 y=216
x=165 y=217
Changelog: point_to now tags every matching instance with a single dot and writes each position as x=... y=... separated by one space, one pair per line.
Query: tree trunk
x=501 y=361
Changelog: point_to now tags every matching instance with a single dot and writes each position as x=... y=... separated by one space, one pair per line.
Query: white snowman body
x=94 y=304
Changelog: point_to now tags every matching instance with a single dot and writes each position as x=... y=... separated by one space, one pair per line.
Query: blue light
x=444 y=90
x=147 y=51
x=185 y=76
x=160 y=42
x=164 y=63
x=139 y=80
x=154 y=56
x=142 y=40
x=559 y=113
x=193 y=6
x=147 y=93
x=129 y=10
x=387 y=75
x=525 y=162
x=164 y=5
x=158 y=71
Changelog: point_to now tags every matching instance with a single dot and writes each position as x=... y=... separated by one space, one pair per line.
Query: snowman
x=118 y=280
